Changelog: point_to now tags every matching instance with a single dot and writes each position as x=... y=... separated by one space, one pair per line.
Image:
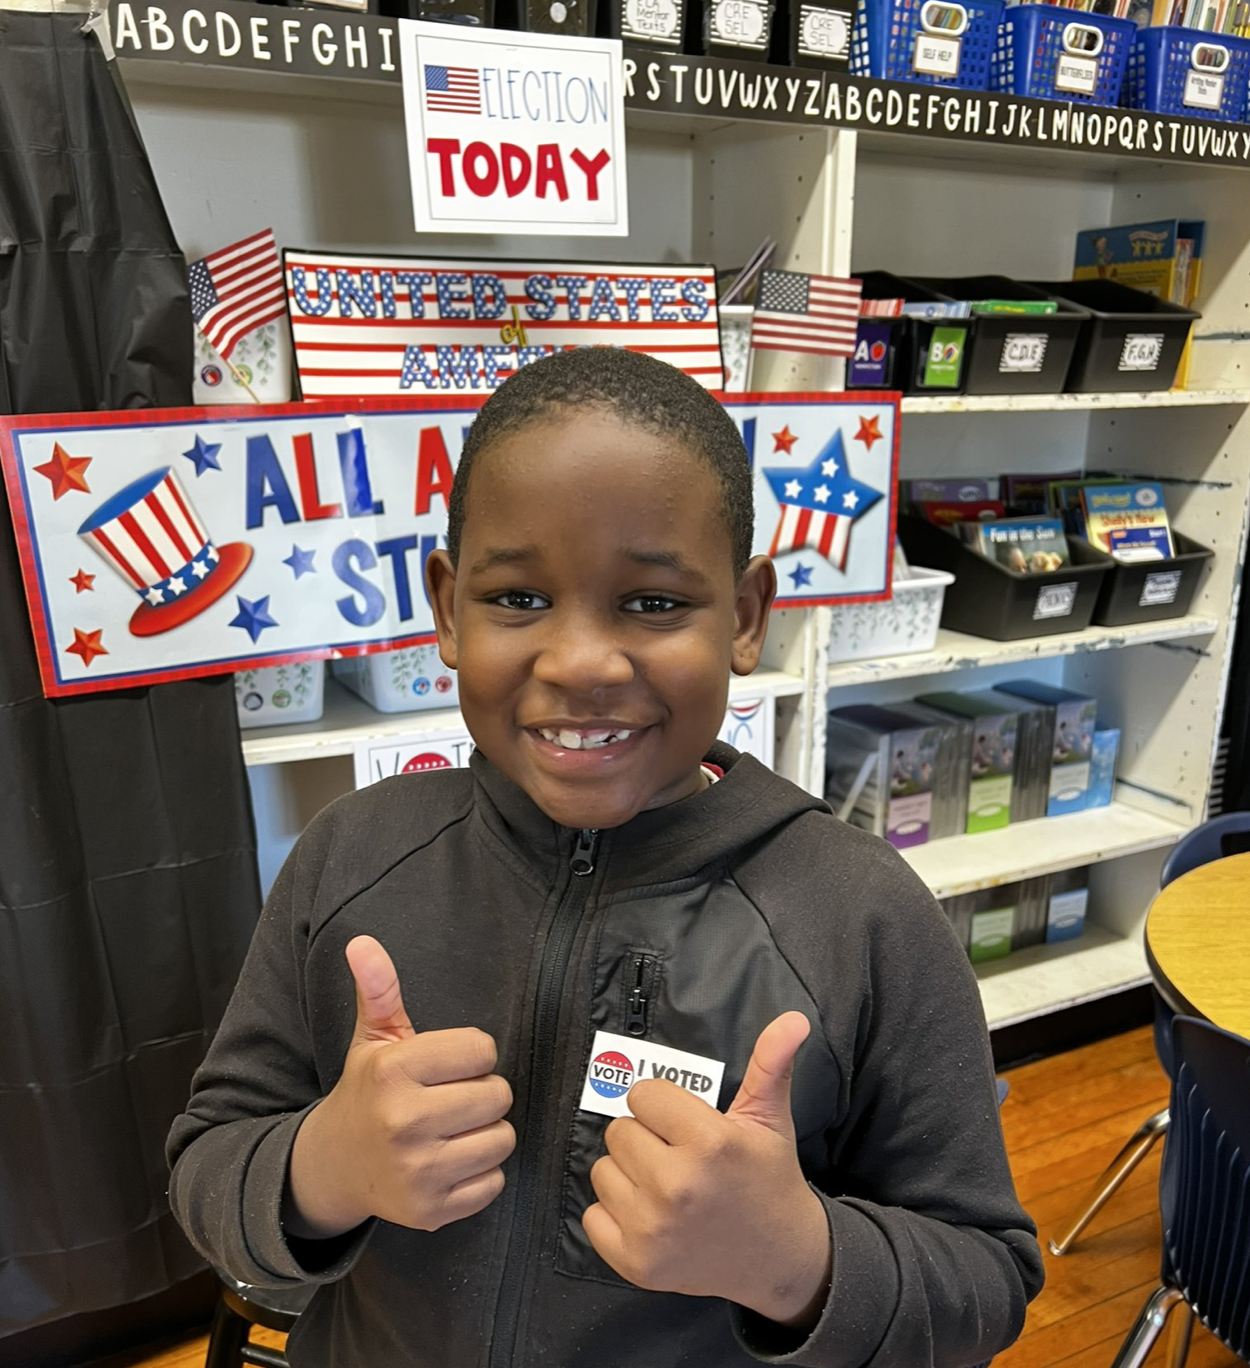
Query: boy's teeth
x=575 y=740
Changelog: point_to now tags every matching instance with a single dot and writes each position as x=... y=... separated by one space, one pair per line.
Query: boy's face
x=594 y=618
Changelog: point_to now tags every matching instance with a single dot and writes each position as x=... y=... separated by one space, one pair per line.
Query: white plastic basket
x=275 y=694
x=407 y=680
x=903 y=625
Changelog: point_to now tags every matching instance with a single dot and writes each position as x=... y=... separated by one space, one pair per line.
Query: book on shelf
x=1163 y=257
x=1129 y=521
x=944 y=513
x=1026 y=546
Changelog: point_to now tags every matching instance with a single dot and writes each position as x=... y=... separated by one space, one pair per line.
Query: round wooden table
x=1198 y=942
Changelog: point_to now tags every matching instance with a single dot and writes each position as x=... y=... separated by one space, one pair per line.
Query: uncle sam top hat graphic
x=150 y=534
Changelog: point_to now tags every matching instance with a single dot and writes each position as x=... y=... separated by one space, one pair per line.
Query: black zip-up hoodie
x=739 y=903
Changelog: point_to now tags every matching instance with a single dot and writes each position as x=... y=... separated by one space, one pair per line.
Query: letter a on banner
x=526 y=129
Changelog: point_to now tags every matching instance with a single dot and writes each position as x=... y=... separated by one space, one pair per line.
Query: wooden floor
x=1064 y=1119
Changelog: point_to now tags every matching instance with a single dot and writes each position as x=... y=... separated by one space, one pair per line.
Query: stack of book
x=1127 y=520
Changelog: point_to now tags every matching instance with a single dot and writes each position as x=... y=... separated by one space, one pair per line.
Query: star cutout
x=87 y=645
x=869 y=430
x=199 y=569
x=82 y=582
x=253 y=616
x=154 y=597
x=177 y=585
x=301 y=561
x=829 y=468
x=801 y=575
x=66 y=472
x=203 y=455
x=785 y=439
x=808 y=520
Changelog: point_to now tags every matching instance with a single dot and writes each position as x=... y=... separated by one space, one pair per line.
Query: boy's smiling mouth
x=600 y=736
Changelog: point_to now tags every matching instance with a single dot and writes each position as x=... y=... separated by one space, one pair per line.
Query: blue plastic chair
x=1200 y=846
x=1204 y=1197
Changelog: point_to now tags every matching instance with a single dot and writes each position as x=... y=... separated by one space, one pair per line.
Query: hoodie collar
x=658 y=845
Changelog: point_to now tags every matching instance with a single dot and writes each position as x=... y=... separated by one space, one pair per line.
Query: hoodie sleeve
x=934 y=1260
x=230 y=1150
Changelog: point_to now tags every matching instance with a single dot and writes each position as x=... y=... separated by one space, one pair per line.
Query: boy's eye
x=523 y=599
x=651 y=603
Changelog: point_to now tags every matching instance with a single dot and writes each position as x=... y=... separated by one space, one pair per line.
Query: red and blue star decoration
x=819 y=505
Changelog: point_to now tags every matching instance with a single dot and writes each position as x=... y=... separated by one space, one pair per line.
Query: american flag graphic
x=806 y=313
x=236 y=290
x=819 y=505
x=453 y=90
x=401 y=325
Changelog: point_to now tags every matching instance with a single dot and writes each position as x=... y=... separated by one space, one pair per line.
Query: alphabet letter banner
x=401 y=325
x=526 y=129
x=169 y=543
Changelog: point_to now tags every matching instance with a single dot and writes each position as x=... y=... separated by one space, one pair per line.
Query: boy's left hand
x=715 y=1205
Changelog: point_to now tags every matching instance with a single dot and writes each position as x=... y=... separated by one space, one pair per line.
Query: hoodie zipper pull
x=582 y=860
x=636 y=1021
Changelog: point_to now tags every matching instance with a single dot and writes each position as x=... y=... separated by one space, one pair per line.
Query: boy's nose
x=584 y=660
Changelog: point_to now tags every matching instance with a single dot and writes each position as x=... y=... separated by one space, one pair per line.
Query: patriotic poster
x=166 y=544
x=526 y=129
x=411 y=325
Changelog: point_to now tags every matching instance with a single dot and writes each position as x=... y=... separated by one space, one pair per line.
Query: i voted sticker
x=617 y=1062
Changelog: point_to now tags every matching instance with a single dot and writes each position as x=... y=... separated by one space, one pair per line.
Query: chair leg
x=1180 y=1336
x=226 y=1339
x=1124 y=1163
x=1147 y=1327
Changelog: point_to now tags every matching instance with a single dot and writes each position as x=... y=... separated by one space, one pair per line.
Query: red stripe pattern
x=806 y=313
x=237 y=290
x=396 y=325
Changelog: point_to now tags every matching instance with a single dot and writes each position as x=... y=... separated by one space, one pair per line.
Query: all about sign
x=519 y=129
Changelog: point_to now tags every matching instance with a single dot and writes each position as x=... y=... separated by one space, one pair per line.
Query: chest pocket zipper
x=640 y=979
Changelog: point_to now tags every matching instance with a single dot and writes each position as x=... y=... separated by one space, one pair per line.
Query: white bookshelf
x=1074 y=403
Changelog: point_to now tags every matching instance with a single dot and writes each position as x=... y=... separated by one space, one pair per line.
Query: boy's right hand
x=412 y=1132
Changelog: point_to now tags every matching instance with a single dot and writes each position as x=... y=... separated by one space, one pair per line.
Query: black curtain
x=128 y=885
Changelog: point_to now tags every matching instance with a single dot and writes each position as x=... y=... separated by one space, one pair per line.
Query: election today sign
x=165 y=544
x=518 y=130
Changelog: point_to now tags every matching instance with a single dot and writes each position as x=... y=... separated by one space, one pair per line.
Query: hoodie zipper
x=639 y=995
x=551 y=974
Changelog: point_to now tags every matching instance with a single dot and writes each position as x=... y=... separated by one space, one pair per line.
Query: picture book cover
x=1163 y=257
x=1026 y=546
x=1112 y=508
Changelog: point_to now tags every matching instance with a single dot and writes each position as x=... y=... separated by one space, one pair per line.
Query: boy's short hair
x=638 y=389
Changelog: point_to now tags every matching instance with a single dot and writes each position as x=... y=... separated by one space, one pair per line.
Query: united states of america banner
x=806 y=313
x=410 y=326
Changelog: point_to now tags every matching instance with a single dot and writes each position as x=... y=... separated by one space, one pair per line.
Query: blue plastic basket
x=885 y=33
x=1057 y=54
x=1163 y=60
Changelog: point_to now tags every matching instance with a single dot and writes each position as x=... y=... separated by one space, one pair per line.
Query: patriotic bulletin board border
x=393 y=326
x=173 y=543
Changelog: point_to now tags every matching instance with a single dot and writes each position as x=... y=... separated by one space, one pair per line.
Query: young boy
x=524 y=936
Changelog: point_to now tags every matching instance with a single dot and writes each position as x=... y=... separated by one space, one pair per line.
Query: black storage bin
x=469 y=13
x=988 y=600
x=1015 y=353
x=907 y=340
x=730 y=28
x=654 y=23
x=1131 y=341
x=1144 y=591
x=576 y=17
x=813 y=33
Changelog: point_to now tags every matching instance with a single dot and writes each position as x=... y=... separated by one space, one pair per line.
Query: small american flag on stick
x=806 y=313
x=236 y=290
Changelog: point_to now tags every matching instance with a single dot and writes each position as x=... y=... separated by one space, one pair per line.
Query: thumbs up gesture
x=716 y=1205
x=413 y=1131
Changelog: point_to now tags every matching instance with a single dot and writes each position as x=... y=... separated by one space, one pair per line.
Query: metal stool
x=241 y=1306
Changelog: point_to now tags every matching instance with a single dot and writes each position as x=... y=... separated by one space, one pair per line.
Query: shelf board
x=958 y=651
x=1069 y=403
x=348 y=720
x=1024 y=850
x=1046 y=978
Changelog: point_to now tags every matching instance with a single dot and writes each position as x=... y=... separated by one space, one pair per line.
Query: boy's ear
x=756 y=590
x=440 y=583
